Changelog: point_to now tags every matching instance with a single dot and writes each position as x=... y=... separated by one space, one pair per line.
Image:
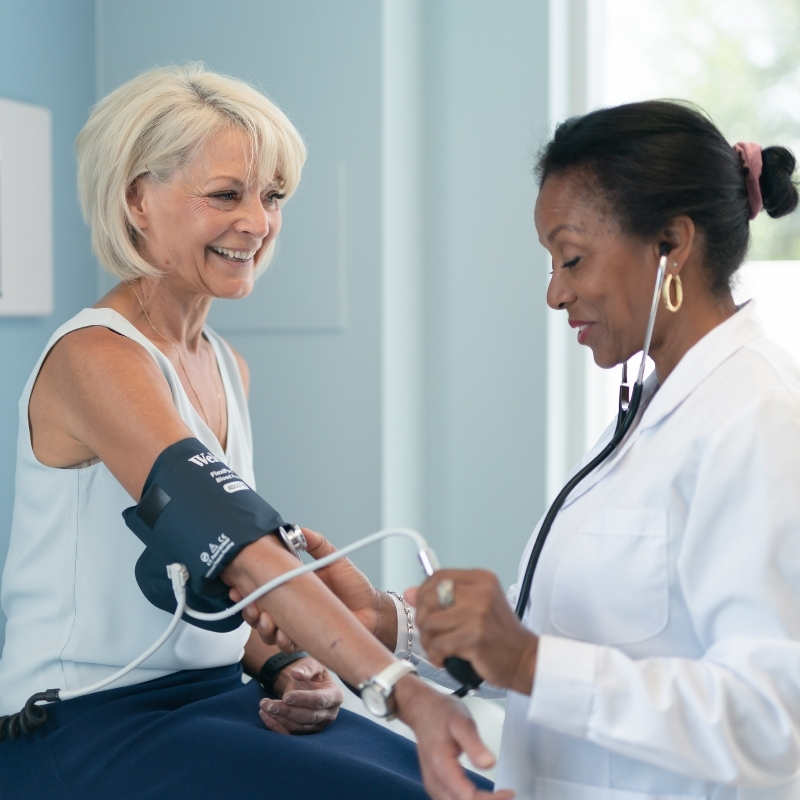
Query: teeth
x=582 y=328
x=234 y=255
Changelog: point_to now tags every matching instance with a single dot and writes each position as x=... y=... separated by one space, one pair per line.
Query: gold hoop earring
x=665 y=292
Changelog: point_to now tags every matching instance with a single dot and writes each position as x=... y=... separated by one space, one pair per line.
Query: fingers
x=283 y=717
x=445 y=778
x=318 y=545
x=285 y=644
x=313 y=699
x=307 y=669
x=465 y=732
x=411 y=595
x=267 y=629
x=272 y=724
x=308 y=704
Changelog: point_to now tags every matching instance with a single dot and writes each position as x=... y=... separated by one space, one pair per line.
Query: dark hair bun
x=778 y=187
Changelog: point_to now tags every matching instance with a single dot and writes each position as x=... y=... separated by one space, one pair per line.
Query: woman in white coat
x=659 y=654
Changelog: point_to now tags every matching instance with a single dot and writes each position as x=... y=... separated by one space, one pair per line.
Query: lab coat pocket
x=611 y=585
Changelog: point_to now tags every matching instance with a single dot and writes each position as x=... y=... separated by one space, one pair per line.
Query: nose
x=256 y=220
x=559 y=294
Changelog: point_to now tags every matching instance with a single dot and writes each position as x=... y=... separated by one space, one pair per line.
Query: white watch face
x=374 y=701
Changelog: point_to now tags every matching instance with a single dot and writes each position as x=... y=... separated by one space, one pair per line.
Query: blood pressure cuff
x=198 y=512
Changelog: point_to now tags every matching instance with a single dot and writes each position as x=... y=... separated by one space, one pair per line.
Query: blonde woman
x=182 y=176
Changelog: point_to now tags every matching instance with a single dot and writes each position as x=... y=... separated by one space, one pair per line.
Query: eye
x=226 y=196
x=572 y=263
x=273 y=198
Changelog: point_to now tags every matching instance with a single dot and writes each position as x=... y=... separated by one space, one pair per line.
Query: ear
x=136 y=197
x=681 y=236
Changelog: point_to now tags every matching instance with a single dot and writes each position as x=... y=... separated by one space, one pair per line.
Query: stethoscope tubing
x=626 y=420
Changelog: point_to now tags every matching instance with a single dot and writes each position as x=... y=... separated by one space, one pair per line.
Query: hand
x=309 y=699
x=480 y=627
x=374 y=609
x=444 y=729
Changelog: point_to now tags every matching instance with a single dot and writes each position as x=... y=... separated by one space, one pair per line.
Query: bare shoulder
x=88 y=354
x=244 y=370
x=100 y=394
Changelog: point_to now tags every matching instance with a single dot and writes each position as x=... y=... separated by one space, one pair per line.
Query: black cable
x=30 y=718
x=623 y=426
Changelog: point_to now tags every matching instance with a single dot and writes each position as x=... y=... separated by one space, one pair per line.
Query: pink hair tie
x=750 y=153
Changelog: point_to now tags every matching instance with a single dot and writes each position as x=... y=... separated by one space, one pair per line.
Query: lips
x=238 y=256
x=583 y=328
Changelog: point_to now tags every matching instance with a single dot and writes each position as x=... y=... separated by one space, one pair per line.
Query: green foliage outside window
x=739 y=60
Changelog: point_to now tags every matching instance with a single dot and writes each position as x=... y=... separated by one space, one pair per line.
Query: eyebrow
x=240 y=184
x=563 y=227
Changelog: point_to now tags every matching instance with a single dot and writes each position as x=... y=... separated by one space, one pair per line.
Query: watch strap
x=383 y=684
x=273 y=666
x=390 y=675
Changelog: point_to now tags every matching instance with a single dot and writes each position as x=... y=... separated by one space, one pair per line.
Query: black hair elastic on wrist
x=196 y=511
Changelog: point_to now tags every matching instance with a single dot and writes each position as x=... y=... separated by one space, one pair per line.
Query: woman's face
x=207 y=226
x=603 y=278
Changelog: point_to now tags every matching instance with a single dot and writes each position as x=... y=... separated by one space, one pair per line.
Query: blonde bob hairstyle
x=152 y=126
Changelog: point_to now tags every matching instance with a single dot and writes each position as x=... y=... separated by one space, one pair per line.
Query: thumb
x=317 y=545
x=465 y=732
x=410 y=596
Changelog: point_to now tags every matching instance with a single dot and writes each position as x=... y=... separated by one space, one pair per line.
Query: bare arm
x=101 y=394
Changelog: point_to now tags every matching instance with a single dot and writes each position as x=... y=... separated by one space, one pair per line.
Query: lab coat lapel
x=650 y=386
x=699 y=362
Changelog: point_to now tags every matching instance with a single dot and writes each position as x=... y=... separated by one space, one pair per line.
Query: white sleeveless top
x=75 y=612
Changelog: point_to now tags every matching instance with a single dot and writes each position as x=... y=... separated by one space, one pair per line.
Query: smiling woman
x=182 y=174
x=191 y=107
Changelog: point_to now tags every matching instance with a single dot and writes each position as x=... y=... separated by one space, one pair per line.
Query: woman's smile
x=583 y=329
x=236 y=256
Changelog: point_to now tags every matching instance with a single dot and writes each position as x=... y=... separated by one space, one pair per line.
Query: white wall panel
x=26 y=223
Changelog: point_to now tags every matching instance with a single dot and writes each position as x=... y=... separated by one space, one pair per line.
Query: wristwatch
x=377 y=692
x=292 y=538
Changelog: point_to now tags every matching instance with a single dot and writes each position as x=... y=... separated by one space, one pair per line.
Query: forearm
x=256 y=653
x=312 y=616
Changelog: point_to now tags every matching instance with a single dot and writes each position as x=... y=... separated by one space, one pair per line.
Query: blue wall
x=486 y=112
x=47 y=58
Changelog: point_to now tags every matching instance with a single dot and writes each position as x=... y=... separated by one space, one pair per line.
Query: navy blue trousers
x=197 y=735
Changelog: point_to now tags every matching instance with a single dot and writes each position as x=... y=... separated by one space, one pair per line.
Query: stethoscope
x=34 y=715
x=461 y=669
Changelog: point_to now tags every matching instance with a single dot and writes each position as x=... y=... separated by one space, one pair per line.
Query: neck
x=177 y=316
x=679 y=332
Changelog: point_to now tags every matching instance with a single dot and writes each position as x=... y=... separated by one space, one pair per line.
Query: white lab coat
x=667 y=597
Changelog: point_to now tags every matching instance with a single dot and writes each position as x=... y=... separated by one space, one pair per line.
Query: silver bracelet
x=409 y=624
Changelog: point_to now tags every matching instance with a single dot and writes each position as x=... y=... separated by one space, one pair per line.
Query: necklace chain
x=183 y=365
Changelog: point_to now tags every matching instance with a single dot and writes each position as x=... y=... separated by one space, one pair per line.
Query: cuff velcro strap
x=196 y=511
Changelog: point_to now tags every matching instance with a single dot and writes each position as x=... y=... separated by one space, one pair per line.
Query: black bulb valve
x=464 y=672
